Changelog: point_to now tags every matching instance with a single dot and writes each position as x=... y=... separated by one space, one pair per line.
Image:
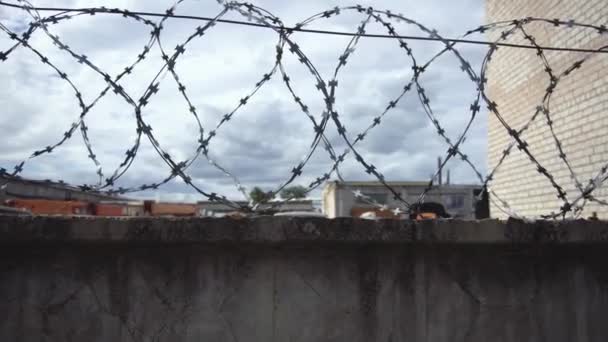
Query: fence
x=571 y=204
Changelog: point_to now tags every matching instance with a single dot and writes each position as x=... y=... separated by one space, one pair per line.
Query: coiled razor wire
x=257 y=16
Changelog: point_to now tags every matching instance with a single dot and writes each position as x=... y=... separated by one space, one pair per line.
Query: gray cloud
x=269 y=135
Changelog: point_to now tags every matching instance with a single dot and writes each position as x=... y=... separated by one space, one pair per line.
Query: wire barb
x=571 y=203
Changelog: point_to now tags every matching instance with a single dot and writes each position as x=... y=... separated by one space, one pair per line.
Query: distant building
x=459 y=200
x=120 y=208
x=21 y=188
x=52 y=207
x=56 y=198
x=5 y=210
x=517 y=82
x=170 y=209
x=218 y=209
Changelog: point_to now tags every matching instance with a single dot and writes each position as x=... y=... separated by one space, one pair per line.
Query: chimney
x=440 y=178
x=447 y=177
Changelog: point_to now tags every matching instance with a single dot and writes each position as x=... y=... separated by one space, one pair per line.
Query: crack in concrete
x=274 y=300
x=306 y=282
x=229 y=326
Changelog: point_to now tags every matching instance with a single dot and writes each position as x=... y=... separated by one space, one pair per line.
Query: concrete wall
x=297 y=279
x=517 y=82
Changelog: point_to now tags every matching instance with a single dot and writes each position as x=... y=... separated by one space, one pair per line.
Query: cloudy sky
x=269 y=135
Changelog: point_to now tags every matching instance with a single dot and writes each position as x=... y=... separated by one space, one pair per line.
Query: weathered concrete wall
x=270 y=279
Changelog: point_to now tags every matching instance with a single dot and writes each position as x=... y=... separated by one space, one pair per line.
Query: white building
x=459 y=200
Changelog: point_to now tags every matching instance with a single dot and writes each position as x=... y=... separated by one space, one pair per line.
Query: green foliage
x=293 y=192
x=259 y=196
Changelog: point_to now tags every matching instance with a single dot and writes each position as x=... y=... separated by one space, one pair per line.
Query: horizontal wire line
x=296 y=29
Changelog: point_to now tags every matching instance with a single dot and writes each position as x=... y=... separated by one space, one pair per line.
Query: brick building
x=517 y=82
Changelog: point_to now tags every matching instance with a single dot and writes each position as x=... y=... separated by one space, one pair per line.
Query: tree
x=258 y=195
x=293 y=192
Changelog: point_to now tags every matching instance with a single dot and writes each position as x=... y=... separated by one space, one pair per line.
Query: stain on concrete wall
x=381 y=287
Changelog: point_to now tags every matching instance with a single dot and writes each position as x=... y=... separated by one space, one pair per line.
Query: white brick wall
x=579 y=105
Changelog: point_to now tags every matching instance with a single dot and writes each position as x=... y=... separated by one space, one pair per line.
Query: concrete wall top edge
x=289 y=230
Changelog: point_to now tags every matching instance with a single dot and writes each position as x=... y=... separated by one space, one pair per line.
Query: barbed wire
x=300 y=29
x=257 y=16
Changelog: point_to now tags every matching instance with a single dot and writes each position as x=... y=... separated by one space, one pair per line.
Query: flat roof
x=298 y=201
x=401 y=183
x=46 y=183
